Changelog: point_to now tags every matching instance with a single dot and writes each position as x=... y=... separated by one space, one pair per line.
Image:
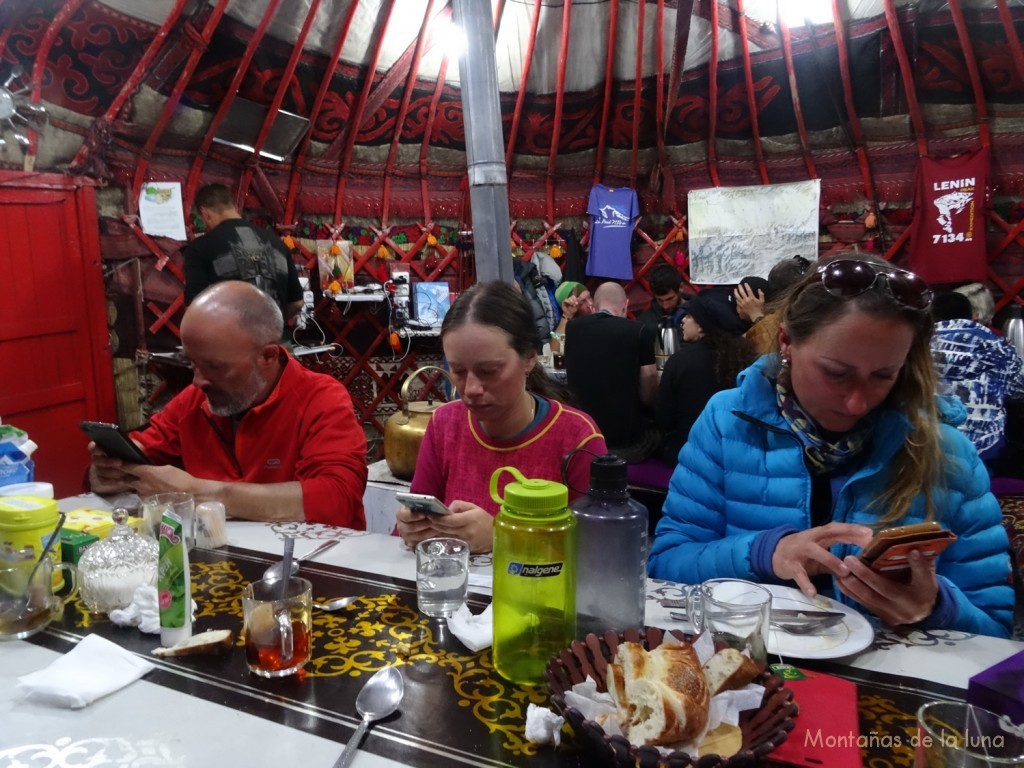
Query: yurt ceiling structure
x=344 y=120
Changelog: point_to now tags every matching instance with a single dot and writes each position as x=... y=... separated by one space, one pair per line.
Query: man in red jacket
x=255 y=430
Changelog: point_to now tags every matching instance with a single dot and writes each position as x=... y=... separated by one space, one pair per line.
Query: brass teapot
x=404 y=429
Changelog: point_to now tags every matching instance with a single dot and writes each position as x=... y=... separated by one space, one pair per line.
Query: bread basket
x=763 y=729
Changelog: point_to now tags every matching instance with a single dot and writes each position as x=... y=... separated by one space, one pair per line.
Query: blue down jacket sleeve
x=742 y=473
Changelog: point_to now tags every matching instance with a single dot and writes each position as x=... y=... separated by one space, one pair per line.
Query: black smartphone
x=114 y=441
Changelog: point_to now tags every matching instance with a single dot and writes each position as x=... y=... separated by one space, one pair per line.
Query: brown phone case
x=889 y=549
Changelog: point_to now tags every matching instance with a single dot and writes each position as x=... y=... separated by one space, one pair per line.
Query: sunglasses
x=847 y=278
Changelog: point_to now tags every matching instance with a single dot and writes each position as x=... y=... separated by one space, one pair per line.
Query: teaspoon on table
x=378 y=698
x=337 y=605
x=273 y=573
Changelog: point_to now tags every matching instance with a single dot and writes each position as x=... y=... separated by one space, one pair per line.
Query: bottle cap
x=530 y=496
x=608 y=476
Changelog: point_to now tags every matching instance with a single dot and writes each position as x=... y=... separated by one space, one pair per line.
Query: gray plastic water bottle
x=611 y=554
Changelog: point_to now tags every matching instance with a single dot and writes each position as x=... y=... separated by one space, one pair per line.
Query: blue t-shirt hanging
x=613 y=214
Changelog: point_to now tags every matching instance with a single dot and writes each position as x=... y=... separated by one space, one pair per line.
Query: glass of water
x=442 y=576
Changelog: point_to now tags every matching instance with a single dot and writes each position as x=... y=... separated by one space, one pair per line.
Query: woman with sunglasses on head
x=509 y=414
x=837 y=434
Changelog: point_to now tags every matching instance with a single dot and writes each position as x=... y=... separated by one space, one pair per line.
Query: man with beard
x=255 y=430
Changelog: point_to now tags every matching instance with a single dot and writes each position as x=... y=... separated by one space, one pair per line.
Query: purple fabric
x=651 y=473
x=1007 y=486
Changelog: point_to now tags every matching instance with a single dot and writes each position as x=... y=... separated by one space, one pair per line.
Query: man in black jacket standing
x=234 y=249
x=610 y=368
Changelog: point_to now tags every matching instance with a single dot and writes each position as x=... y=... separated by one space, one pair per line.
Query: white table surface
x=146 y=724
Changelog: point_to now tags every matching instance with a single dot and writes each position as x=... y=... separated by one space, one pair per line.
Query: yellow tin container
x=28 y=522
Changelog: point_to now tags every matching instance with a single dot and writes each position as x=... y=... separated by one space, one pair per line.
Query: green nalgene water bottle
x=534 y=576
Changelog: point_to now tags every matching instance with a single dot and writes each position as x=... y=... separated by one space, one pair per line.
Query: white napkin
x=143 y=612
x=89 y=671
x=543 y=726
x=475 y=632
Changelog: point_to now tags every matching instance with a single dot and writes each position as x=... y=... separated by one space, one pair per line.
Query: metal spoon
x=54 y=537
x=337 y=605
x=379 y=698
x=273 y=573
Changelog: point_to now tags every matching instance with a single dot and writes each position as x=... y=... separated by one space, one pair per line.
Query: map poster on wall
x=736 y=232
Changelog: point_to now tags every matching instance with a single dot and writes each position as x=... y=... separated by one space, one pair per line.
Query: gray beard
x=243 y=401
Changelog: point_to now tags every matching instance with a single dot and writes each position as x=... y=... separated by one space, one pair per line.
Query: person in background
x=234 y=249
x=574 y=300
x=749 y=297
x=837 y=434
x=255 y=430
x=983 y=304
x=759 y=311
x=666 y=287
x=610 y=368
x=506 y=416
x=712 y=354
x=980 y=368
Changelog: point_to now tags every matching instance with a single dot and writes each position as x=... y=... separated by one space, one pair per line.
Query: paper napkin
x=543 y=726
x=143 y=612
x=475 y=632
x=91 y=670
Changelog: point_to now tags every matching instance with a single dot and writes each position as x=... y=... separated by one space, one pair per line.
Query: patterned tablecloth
x=457 y=710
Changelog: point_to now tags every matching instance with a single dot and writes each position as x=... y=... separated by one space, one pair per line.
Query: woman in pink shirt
x=508 y=415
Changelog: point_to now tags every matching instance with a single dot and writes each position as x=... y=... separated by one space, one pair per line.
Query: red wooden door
x=55 y=364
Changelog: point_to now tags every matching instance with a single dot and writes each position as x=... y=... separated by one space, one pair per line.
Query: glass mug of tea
x=27 y=600
x=278 y=625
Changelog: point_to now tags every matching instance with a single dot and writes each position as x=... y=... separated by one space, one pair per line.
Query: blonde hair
x=918 y=466
x=983 y=304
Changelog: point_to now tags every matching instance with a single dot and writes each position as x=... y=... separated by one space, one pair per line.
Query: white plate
x=853 y=634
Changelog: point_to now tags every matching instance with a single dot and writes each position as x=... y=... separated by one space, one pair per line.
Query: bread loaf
x=630 y=664
x=728 y=670
x=215 y=641
x=662 y=695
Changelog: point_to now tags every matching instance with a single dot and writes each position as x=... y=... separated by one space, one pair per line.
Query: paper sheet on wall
x=737 y=232
x=160 y=209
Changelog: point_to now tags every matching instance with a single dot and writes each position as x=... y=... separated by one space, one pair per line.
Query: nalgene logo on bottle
x=543 y=569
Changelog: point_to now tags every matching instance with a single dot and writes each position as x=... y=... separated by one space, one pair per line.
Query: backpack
x=536 y=295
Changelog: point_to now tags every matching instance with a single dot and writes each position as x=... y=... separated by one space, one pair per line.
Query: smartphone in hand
x=888 y=550
x=114 y=441
x=421 y=502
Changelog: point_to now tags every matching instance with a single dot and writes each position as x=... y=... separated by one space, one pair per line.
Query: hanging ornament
x=555 y=252
x=431 y=241
x=870 y=220
x=335 y=249
x=289 y=242
x=334 y=288
x=383 y=253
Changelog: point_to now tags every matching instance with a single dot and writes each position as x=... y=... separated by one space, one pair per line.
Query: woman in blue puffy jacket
x=837 y=435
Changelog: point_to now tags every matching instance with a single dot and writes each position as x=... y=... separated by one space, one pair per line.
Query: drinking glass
x=442 y=575
x=736 y=612
x=181 y=504
x=27 y=601
x=954 y=734
x=278 y=625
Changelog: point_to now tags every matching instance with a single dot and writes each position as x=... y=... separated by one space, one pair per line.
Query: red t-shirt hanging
x=947 y=242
